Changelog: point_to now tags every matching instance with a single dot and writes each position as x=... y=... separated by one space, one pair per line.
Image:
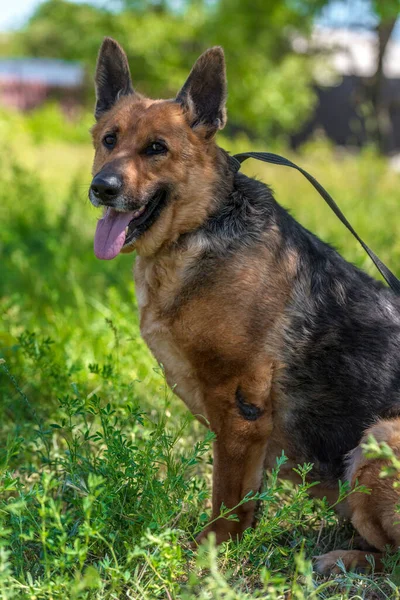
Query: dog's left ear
x=113 y=78
x=204 y=94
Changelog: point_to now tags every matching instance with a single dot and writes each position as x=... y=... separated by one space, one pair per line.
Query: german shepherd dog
x=264 y=331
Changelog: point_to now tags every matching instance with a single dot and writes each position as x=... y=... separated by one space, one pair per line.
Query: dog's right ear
x=112 y=79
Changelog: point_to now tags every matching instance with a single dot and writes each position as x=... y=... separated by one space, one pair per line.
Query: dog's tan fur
x=373 y=514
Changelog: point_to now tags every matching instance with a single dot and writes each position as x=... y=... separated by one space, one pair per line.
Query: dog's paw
x=326 y=564
x=351 y=560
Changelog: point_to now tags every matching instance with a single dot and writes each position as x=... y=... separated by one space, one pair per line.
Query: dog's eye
x=155 y=148
x=110 y=140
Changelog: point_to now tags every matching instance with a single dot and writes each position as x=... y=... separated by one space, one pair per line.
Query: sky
x=14 y=13
x=339 y=13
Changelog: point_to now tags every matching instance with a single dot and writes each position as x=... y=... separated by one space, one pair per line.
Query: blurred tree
x=269 y=85
x=142 y=5
x=153 y=41
x=387 y=12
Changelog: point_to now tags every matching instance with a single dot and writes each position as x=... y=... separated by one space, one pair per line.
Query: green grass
x=104 y=477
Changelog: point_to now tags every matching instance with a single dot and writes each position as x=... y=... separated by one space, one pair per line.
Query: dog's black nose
x=106 y=187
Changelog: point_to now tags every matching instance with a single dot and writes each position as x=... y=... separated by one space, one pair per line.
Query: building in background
x=26 y=83
x=345 y=79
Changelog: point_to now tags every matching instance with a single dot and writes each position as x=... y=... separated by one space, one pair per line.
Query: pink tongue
x=110 y=233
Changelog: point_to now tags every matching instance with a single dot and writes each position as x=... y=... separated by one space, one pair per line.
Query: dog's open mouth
x=117 y=229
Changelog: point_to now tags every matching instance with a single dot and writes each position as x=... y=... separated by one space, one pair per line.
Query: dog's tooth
x=138 y=212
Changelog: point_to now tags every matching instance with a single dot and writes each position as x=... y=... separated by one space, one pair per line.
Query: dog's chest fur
x=157 y=283
x=203 y=329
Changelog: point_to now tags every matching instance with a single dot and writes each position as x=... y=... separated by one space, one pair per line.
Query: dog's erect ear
x=112 y=79
x=204 y=93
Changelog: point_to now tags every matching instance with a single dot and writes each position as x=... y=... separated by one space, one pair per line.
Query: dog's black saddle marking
x=249 y=412
x=275 y=159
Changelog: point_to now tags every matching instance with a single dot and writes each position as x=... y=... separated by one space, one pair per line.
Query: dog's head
x=156 y=164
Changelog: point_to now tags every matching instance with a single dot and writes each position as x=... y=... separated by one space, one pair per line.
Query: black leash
x=275 y=159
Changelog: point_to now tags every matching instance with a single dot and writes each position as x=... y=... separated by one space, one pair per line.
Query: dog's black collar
x=236 y=161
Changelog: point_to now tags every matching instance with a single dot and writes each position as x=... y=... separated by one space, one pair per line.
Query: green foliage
x=104 y=478
x=269 y=86
x=47 y=123
x=387 y=10
x=383 y=452
x=50 y=123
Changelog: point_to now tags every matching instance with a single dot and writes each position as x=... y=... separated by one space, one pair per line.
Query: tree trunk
x=383 y=125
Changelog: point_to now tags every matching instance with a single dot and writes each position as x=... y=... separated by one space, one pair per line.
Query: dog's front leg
x=242 y=432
